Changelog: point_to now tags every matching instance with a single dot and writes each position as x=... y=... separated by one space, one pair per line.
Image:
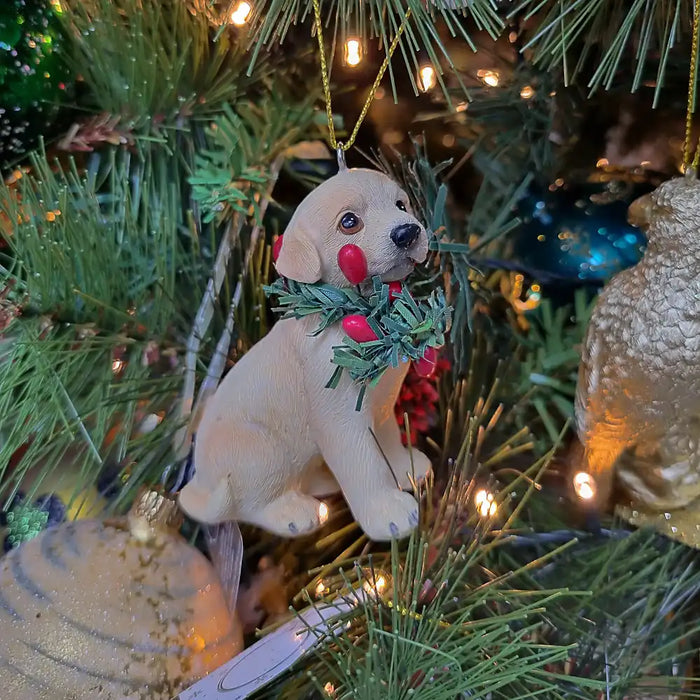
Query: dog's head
x=357 y=206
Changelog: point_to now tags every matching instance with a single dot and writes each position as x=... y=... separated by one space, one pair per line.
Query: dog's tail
x=210 y=506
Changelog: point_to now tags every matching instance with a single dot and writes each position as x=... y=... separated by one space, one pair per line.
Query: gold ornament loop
x=325 y=77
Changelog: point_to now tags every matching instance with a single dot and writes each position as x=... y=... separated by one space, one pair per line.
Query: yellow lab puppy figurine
x=265 y=434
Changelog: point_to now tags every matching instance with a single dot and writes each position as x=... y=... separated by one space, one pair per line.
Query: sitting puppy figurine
x=265 y=434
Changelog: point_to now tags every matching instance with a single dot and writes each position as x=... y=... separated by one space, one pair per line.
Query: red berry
x=352 y=263
x=357 y=328
x=394 y=290
x=425 y=367
x=276 y=247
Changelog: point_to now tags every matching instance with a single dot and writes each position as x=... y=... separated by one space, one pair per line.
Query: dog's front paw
x=390 y=515
x=412 y=470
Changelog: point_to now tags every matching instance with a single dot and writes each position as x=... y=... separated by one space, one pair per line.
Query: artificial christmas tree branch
x=376 y=19
x=206 y=311
x=108 y=257
x=153 y=62
x=609 y=35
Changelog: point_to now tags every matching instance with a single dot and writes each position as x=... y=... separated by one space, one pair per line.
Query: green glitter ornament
x=24 y=522
x=32 y=73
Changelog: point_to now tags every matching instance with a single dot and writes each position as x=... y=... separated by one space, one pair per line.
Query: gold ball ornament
x=638 y=393
x=111 y=610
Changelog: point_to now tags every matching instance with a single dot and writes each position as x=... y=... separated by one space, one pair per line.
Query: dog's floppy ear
x=298 y=259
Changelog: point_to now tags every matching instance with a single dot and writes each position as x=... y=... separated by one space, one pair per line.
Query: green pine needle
x=72 y=228
x=620 y=38
x=230 y=174
x=543 y=382
x=153 y=61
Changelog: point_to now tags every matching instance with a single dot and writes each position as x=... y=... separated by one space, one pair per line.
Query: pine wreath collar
x=382 y=330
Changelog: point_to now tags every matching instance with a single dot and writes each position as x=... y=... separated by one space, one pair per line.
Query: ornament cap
x=340 y=155
x=154 y=513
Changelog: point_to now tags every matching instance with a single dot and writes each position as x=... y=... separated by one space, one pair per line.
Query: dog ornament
x=273 y=438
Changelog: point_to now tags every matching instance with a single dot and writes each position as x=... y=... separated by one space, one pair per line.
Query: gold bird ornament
x=638 y=395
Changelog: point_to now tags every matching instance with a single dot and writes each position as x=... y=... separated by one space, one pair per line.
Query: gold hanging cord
x=687 y=162
x=342 y=147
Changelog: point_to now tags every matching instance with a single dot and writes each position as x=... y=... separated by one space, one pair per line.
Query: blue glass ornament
x=578 y=232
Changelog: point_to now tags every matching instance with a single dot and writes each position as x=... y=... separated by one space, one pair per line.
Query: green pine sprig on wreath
x=404 y=326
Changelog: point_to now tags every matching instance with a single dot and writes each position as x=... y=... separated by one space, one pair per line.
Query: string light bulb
x=374 y=585
x=320 y=589
x=241 y=13
x=489 y=77
x=485 y=503
x=427 y=78
x=533 y=295
x=322 y=513
x=527 y=92
x=117 y=366
x=584 y=486
x=353 y=52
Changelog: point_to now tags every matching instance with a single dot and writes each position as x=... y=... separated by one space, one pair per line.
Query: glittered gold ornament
x=638 y=395
x=111 y=609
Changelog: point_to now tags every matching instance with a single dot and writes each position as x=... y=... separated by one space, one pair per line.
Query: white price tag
x=271 y=656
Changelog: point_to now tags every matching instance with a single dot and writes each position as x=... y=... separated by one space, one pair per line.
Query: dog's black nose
x=405 y=235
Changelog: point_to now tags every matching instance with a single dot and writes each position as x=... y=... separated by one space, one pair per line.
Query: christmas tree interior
x=349 y=349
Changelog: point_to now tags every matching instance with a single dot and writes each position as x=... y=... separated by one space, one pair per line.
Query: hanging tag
x=225 y=546
x=272 y=655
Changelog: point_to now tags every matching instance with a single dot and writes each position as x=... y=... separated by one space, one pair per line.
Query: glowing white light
x=241 y=13
x=117 y=366
x=320 y=588
x=427 y=78
x=489 y=77
x=527 y=92
x=485 y=503
x=322 y=513
x=329 y=689
x=353 y=52
x=584 y=485
x=376 y=588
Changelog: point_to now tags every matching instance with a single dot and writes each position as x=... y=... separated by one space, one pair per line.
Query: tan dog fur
x=266 y=433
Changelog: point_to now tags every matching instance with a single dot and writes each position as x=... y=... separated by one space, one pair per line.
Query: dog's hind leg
x=209 y=506
x=289 y=515
x=317 y=479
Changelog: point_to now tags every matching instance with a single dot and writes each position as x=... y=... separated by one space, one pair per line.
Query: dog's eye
x=350 y=223
x=400 y=205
